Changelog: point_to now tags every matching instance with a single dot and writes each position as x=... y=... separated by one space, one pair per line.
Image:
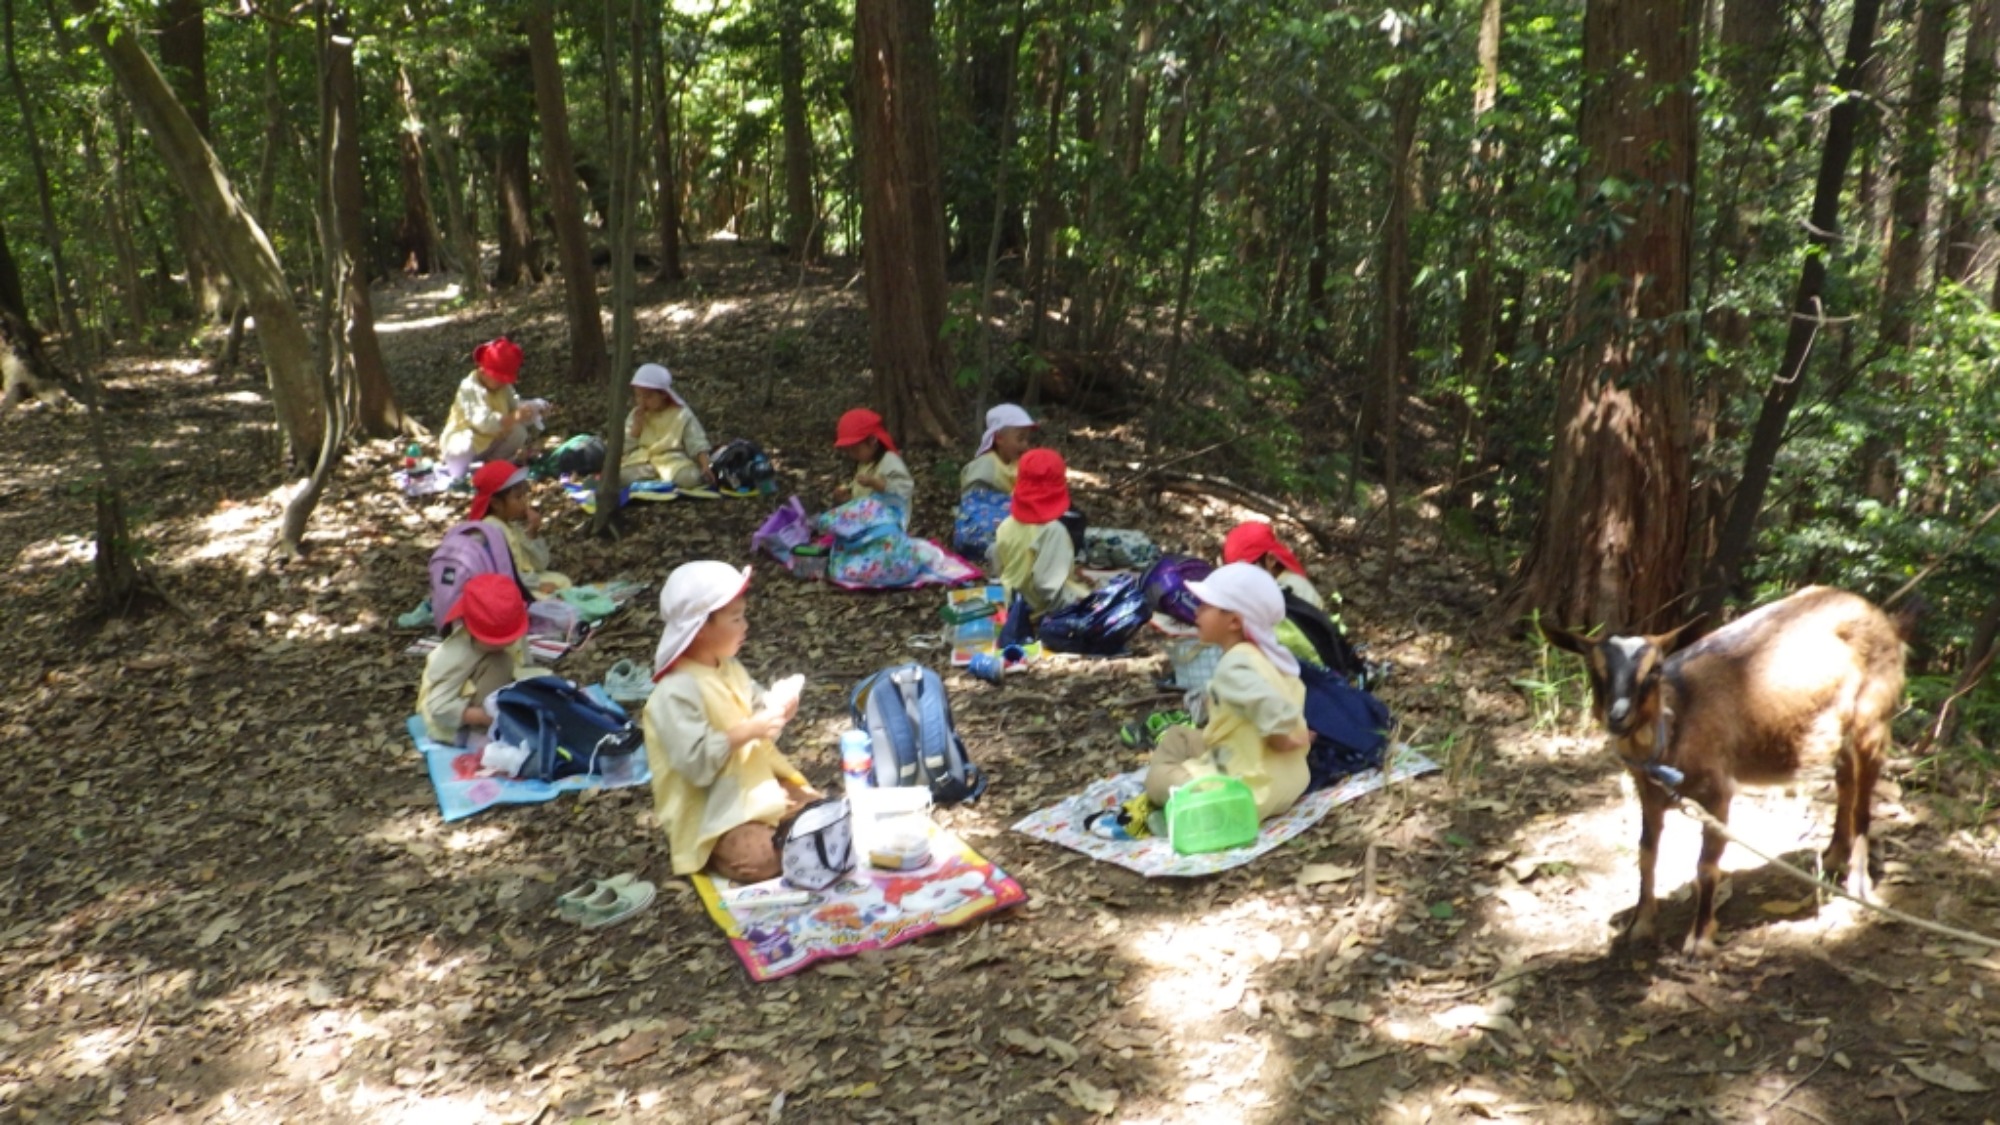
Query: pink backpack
x=468 y=550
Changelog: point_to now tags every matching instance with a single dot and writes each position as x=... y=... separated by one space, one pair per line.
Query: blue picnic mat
x=461 y=793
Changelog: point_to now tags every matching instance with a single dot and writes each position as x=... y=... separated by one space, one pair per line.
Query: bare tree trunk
x=1808 y=311
x=417 y=235
x=588 y=361
x=902 y=219
x=668 y=209
x=625 y=128
x=801 y=212
x=45 y=198
x=1610 y=544
x=288 y=354
x=1476 y=316
x=1398 y=328
x=1966 y=246
x=379 y=416
x=1046 y=216
x=464 y=240
x=183 y=37
x=512 y=175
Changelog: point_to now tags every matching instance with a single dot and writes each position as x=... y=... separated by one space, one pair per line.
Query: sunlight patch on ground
x=242 y=398
x=59 y=553
x=392 y=327
x=234 y=529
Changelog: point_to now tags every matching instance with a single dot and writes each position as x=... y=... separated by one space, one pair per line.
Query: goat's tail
x=1907 y=615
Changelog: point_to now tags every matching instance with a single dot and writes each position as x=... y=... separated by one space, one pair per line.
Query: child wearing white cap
x=663 y=438
x=993 y=465
x=1256 y=729
x=720 y=784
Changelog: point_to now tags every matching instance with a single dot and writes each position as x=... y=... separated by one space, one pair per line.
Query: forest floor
x=228 y=894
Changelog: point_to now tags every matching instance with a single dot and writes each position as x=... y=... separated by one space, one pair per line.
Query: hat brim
x=662 y=667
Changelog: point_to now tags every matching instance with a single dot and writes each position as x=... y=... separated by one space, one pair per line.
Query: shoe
x=628 y=683
x=616 y=902
x=1136 y=734
x=418 y=618
x=571 y=907
x=1158 y=722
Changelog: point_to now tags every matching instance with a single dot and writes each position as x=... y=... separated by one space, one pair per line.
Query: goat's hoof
x=1642 y=931
x=1698 y=947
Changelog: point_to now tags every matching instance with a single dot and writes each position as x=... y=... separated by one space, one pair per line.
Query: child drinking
x=500 y=499
x=1032 y=550
x=1256 y=728
x=663 y=438
x=488 y=420
x=720 y=784
x=480 y=657
x=1008 y=435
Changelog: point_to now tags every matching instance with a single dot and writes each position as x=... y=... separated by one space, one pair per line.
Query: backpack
x=910 y=733
x=1165 y=585
x=1117 y=548
x=1077 y=524
x=467 y=551
x=1350 y=727
x=1100 y=624
x=564 y=729
x=740 y=466
x=579 y=456
x=787 y=528
x=816 y=846
x=981 y=511
x=1325 y=636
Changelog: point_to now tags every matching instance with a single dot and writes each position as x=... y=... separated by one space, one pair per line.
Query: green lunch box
x=1211 y=814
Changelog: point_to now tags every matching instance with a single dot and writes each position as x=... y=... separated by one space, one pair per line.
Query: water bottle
x=411 y=454
x=857 y=759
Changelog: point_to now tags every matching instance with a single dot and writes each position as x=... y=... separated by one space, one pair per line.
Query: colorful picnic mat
x=1065 y=821
x=584 y=493
x=865 y=910
x=461 y=792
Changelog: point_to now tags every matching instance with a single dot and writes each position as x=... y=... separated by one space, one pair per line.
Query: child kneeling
x=482 y=655
x=720 y=784
x=1256 y=728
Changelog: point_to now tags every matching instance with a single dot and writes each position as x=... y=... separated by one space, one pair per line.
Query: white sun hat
x=1247 y=590
x=1004 y=416
x=693 y=592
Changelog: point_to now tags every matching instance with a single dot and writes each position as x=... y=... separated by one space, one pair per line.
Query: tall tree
x=377 y=415
x=902 y=218
x=1610 y=544
x=512 y=175
x=184 y=59
x=588 y=360
x=1808 y=315
x=417 y=235
x=801 y=212
x=297 y=393
x=44 y=195
x=1966 y=243
x=667 y=209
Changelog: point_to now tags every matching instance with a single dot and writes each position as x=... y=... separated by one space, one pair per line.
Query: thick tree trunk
x=512 y=175
x=902 y=219
x=417 y=235
x=183 y=36
x=296 y=392
x=1610 y=545
x=378 y=416
x=588 y=360
x=1398 y=328
x=44 y=196
x=1808 y=313
x=625 y=126
x=1966 y=246
x=801 y=212
x=667 y=211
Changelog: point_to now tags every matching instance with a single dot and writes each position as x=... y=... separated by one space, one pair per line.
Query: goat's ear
x=1665 y=641
x=1563 y=638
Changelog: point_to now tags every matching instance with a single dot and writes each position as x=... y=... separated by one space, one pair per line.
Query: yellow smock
x=1038 y=561
x=669 y=442
x=531 y=559
x=458 y=672
x=476 y=413
x=1249 y=700
x=702 y=788
x=989 y=470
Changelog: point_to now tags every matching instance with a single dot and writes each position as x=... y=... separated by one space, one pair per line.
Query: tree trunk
x=183 y=36
x=1398 y=329
x=131 y=286
x=296 y=393
x=416 y=236
x=1808 y=311
x=588 y=360
x=801 y=212
x=625 y=131
x=1047 y=219
x=515 y=220
x=902 y=219
x=667 y=212
x=1610 y=544
x=378 y=416
x=1966 y=245
x=1476 y=315
x=464 y=240
x=51 y=229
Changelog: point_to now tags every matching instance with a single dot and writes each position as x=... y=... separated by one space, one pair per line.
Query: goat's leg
x=1708 y=874
x=1868 y=749
x=1652 y=816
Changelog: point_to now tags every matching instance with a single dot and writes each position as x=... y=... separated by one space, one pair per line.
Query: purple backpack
x=469 y=550
x=1165 y=585
x=786 y=528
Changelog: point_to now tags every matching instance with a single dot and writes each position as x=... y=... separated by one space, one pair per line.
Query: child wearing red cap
x=500 y=500
x=1032 y=550
x=1253 y=541
x=878 y=468
x=484 y=654
x=720 y=784
x=488 y=420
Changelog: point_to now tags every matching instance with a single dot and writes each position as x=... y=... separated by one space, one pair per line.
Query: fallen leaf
x=227 y=924
x=1938 y=1074
x=1313 y=874
x=1088 y=1097
x=1785 y=906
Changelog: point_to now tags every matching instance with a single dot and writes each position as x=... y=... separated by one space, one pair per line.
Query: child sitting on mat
x=1253 y=541
x=1256 y=729
x=1008 y=435
x=1033 y=550
x=878 y=469
x=720 y=784
x=484 y=654
x=663 y=438
x=488 y=420
x=500 y=500
x=872 y=547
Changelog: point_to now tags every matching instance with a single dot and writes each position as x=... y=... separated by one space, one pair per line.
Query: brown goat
x=1813 y=676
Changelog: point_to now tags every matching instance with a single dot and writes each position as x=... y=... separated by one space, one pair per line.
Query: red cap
x=857 y=426
x=500 y=359
x=493 y=478
x=492 y=610
x=1249 y=542
x=1041 y=487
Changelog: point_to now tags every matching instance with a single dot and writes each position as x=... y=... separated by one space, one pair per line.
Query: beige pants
x=687 y=476
x=1178 y=758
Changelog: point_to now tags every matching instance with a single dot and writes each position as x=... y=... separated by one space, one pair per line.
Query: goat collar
x=1656 y=766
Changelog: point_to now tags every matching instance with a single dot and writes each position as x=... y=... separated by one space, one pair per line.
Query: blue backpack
x=1100 y=624
x=908 y=719
x=565 y=730
x=1350 y=727
x=981 y=511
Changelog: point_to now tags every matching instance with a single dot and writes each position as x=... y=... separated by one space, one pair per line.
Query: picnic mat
x=584 y=493
x=547 y=650
x=1063 y=822
x=461 y=793
x=865 y=910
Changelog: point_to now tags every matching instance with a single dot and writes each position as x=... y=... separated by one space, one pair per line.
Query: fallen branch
x=1198 y=484
x=1143 y=473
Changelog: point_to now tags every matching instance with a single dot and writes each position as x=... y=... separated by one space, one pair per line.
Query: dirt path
x=228 y=895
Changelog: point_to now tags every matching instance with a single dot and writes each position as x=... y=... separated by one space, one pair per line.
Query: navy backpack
x=1350 y=727
x=564 y=729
